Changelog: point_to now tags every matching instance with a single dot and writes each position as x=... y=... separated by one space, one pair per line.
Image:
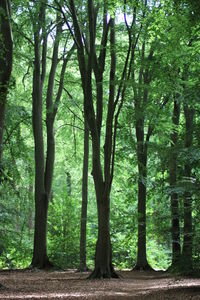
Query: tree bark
x=83 y=230
x=141 y=98
x=103 y=255
x=6 y=59
x=175 y=227
x=89 y=63
x=187 y=230
x=142 y=263
x=44 y=166
x=40 y=258
x=50 y=115
x=141 y=254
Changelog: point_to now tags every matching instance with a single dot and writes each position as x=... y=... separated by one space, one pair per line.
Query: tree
x=140 y=100
x=141 y=81
x=91 y=61
x=187 y=229
x=6 y=59
x=83 y=229
x=175 y=215
x=44 y=166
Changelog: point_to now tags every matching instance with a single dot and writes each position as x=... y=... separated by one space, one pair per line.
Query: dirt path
x=72 y=285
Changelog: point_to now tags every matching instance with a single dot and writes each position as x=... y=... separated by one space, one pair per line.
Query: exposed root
x=147 y=267
x=180 y=269
x=99 y=273
x=83 y=269
x=46 y=264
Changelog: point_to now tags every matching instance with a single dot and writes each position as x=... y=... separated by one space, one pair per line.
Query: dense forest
x=100 y=135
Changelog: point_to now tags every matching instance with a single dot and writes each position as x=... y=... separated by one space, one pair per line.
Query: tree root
x=147 y=267
x=46 y=265
x=99 y=273
x=83 y=269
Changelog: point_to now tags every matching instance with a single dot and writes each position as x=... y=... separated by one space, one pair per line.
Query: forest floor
x=73 y=285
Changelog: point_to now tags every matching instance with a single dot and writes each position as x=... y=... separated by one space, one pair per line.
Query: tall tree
x=83 y=229
x=187 y=229
x=176 y=243
x=146 y=67
x=140 y=101
x=44 y=165
x=90 y=61
x=6 y=59
x=141 y=81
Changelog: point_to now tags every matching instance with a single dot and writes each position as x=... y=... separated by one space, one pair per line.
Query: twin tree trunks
x=87 y=64
x=44 y=165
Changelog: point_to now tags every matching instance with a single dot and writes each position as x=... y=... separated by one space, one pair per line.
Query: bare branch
x=61 y=82
x=67 y=23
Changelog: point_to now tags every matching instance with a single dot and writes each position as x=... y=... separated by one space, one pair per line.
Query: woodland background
x=159 y=95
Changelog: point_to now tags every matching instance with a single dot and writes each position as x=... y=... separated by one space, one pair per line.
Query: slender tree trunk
x=50 y=157
x=6 y=58
x=41 y=200
x=175 y=227
x=51 y=113
x=44 y=169
x=103 y=255
x=142 y=263
x=83 y=231
x=140 y=101
x=141 y=254
x=2 y=120
x=40 y=258
x=188 y=232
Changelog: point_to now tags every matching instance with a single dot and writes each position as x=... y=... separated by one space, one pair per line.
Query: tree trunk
x=50 y=156
x=175 y=229
x=188 y=240
x=103 y=255
x=141 y=263
x=83 y=231
x=44 y=172
x=141 y=254
x=6 y=57
x=39 y=259
x=140 y=101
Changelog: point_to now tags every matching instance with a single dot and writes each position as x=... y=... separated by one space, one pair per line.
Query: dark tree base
x=182 y=269
x=99 y=273
x=83 y=269
x=147 y=267
x=173 y=268
x=46 y=264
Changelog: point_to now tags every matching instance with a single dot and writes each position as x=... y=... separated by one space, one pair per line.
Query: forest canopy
x=100 y=135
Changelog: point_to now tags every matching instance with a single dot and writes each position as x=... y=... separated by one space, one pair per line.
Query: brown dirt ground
x=72 y=285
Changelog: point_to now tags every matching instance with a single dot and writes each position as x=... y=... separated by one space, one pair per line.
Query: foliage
x=169 y=32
